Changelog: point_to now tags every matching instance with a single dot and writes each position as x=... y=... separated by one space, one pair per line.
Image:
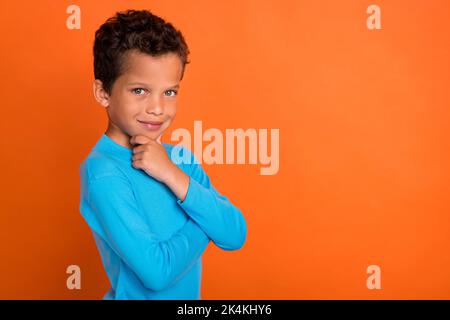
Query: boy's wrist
x=170 y=175
x=177 y=181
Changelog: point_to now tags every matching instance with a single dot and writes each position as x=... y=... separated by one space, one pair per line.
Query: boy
x=151 y=218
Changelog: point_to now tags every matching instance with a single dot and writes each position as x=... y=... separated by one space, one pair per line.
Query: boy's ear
x=100 y=94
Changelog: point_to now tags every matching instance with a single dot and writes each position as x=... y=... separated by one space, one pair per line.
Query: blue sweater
x=151 y=242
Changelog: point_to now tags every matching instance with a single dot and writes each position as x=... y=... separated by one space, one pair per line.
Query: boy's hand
x=151 y=156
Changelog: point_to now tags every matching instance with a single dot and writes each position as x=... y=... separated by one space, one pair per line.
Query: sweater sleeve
x=158 y=264
x=222 y=221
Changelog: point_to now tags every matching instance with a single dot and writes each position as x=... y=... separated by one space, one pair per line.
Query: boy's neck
x=118 y=136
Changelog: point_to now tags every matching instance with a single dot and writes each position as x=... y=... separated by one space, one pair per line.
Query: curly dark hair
x=133 y=29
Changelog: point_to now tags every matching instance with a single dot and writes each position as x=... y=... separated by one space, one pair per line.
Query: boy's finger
x=139 y=139
x=138 y=149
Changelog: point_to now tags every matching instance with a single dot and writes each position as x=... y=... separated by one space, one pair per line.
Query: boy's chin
x=151 y=134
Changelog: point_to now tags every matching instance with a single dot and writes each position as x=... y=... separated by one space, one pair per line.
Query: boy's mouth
x=151 y=125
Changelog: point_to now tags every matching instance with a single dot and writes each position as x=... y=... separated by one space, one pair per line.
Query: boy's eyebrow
x=137 y=83
x=144 y=84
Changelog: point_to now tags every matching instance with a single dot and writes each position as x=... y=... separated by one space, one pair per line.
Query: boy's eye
x=137 y=91
x=173 y=91
x=169 y=93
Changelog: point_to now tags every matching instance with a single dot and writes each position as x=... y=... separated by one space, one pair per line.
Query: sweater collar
x=109 y=146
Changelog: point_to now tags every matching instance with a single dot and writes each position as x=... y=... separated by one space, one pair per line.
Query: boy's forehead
x=144 y=68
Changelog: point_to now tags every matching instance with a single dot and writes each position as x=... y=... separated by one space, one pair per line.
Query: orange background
x=364 y=144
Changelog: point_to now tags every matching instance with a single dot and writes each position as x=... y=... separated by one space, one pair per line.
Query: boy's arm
x=157 y=263
x=214 y=213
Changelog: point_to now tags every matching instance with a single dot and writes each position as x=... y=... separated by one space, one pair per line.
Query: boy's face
x=143 y=99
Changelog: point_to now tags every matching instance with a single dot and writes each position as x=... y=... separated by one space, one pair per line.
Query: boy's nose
x=155 y=106
x=155 y=110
